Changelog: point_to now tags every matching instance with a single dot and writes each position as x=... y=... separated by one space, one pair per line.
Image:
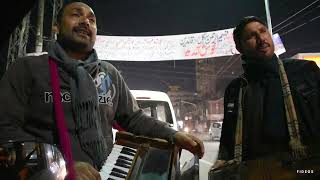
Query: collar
x=258 y=69
x=70 y=65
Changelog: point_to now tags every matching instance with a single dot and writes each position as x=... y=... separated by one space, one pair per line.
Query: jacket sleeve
x=312 y=96
x=15 y=86
x=315 y=74
x=134 y=120
x=223 y=152
x=227 y=140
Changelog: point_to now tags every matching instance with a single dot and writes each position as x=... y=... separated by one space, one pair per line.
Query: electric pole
x=39 y=32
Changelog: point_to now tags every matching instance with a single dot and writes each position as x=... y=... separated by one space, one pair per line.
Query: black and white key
x=118 y=163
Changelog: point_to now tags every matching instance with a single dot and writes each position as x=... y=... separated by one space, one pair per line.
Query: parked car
x=215 y=131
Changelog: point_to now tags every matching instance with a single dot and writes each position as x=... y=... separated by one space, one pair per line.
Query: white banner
x=174 y=47
x=278 y=45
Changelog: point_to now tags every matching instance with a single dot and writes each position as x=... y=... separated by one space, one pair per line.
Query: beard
x=74 y=43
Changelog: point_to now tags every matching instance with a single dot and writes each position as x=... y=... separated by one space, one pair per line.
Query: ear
x=55 y=28
x=55 y=31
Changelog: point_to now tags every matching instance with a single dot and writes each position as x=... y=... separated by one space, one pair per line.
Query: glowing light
x=316 y=59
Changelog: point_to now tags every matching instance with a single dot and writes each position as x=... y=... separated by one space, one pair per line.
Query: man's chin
x=81 y=45
x=82 y=39
x=266 y=55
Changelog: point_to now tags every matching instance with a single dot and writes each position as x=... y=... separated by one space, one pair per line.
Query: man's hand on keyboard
x=84 y=171
x=190 y=143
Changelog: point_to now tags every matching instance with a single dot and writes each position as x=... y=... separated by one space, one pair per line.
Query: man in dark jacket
x=93 y=95
x=279 y=99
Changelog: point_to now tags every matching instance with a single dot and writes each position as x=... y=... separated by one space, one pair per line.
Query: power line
x=308 y=12
x=296 y=13
x=314 y=18
x=224 y=65
x=299 y=26
x=230 y=65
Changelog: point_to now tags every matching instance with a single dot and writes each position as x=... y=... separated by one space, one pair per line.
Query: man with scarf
x=93 y=94
x=274 y=106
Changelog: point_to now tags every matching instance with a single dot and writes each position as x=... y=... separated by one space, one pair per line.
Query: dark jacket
x=26 y=108
x=304 y=80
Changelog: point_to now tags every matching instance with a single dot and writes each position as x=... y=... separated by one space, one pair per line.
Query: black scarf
x=266 y=108
x=84 y=101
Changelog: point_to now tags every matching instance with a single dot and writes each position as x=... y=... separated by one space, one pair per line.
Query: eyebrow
x=81 y=9
x=263 y=27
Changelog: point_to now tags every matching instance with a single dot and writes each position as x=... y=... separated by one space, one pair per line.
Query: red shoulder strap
x=59 y=116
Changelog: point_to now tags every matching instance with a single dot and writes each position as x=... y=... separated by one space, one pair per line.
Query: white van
x=155 y=104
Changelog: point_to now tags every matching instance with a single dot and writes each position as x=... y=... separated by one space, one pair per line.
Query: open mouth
x=82 y=32
x=263 y=47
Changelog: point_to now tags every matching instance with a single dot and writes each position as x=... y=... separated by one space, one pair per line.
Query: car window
x=216 y=125
x=157 y=109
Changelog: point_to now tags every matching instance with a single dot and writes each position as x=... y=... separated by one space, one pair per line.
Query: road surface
x=211 y=152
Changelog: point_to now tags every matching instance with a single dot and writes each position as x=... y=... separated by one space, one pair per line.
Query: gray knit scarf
x=84 y=101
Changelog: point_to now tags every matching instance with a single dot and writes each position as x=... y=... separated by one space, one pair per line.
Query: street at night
x=211 y=148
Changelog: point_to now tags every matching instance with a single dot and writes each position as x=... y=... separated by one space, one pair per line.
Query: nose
x=85 y=21
x=259 y=37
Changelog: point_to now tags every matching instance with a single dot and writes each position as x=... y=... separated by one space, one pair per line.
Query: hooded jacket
x=27 y=114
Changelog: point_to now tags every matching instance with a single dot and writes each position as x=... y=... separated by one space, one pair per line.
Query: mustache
x=263 y=44
x=82 y=28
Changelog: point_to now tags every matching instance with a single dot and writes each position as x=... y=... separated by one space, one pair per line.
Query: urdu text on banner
x=172 y=47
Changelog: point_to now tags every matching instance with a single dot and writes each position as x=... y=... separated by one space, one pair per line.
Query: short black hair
x=61 y=10
x=242 y=24
x=60 y=13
